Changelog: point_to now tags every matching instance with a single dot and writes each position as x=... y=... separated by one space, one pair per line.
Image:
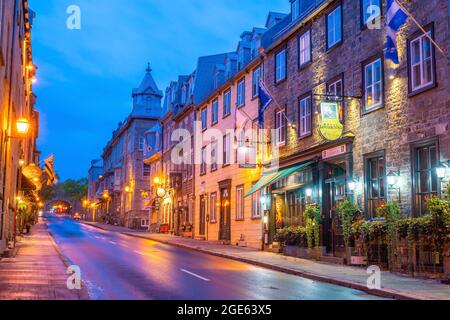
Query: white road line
x=140 y=253
x=195 y=275
x=113 y=243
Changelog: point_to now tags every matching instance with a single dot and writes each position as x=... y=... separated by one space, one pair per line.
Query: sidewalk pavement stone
x=37 y=271
x=393 y=285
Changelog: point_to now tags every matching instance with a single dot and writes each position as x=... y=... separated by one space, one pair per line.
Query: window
x=373 y=85
x=226 y=103
x=295 y=9
x=280 y=127
x=305 y=117
x=146 y=171
x=425 y=161
x=215 y=112
x=280 y=66
x=141 y=143
x=255 y=81
x=240 y=203
x=421 y=63
x=226 y=150
x=145 y=223
x=334 y=27
x=204 y=115
x=336 y=88
x=203 y=162
x=368 y=11
x=241 y=93
x=214 y=156
x=256 y=205
x=375 y=168
x=304 y=43
x=213 y=207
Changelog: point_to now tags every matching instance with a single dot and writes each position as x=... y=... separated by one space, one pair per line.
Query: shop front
x=322 y=177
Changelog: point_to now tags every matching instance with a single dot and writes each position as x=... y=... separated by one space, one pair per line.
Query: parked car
x=77 y=216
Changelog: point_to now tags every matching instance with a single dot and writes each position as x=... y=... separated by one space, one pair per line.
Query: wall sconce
x=392 y=181
x=127 y=189
x=392 y=73
x=441 y=171
x=353 y=184
x=309 y=192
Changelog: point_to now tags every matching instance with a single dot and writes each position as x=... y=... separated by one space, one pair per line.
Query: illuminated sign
x=330 y=126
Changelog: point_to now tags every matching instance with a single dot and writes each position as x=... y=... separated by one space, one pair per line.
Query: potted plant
x=348 y=212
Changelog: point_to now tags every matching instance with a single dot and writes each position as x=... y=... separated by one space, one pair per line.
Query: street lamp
x=157 y=180
x=22 y=126
x=127 y=189
x=392 y=179
x=161 y=192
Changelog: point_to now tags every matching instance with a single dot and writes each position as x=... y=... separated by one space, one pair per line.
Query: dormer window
x=295 y=9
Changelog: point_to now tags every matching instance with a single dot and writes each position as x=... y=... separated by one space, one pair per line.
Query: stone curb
x=83 y=293
x=384 y=293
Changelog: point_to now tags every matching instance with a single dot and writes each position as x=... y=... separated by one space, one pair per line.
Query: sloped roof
x=148 y=85
x=204 y=80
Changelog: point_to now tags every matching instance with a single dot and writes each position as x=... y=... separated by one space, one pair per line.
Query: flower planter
x=297 y=252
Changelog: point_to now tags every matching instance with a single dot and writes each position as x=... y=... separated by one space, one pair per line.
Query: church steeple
x=147 y=97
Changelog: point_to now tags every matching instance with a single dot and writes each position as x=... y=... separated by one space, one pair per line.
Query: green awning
x=269 y=179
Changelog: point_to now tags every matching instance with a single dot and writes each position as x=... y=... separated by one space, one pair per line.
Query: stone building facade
x=16 y=102
x=125 y=180
x=395 y=123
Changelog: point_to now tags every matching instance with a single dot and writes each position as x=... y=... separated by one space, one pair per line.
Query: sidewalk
x=37 y=271
x=393 y=286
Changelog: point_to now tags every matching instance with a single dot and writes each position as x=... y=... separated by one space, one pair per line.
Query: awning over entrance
x=269 y=179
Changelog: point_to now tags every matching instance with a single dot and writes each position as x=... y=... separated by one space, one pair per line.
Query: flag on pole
x=49 y=167
x=396 y=17
x=264 y=100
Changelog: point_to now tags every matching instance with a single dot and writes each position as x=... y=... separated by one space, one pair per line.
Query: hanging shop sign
x=330 y=126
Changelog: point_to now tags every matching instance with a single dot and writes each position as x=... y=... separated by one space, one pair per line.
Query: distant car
x=77 y=216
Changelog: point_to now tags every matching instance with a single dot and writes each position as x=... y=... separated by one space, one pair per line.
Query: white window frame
x=214 y=147
x=256 y=205
x=305 y=48
x=280 y=65
x=240 y=93
x=365 y=4
x=240 y=203
x=213 y=207
x=255 y=81
x=145 y=223
x=421 y=63
x=141 y=144
x=215 y=111
x=305 y=112
x=227 y=103
x=332 y=88
x=204 y=118
x=203 y=168
x=281 y=123
x=226 y=149
x=370 y=87
x=149 y=171
x=331 y=26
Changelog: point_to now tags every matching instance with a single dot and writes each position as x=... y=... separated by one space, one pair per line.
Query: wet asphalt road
x=119 y=267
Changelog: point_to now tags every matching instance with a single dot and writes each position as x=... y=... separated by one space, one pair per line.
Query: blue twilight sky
x=85 y=77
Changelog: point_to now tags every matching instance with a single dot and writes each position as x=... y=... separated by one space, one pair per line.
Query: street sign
x=330 y=126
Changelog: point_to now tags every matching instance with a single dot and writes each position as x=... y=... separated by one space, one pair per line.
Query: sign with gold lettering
x=330 y=126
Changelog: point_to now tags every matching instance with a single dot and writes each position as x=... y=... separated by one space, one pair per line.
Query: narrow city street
x=116 y=266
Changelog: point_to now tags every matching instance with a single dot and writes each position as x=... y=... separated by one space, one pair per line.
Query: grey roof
x=204 y=80
x=148 y=85
x=274 y=15
x=286 y=25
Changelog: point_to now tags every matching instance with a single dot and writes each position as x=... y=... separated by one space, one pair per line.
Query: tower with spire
x=147 y=97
